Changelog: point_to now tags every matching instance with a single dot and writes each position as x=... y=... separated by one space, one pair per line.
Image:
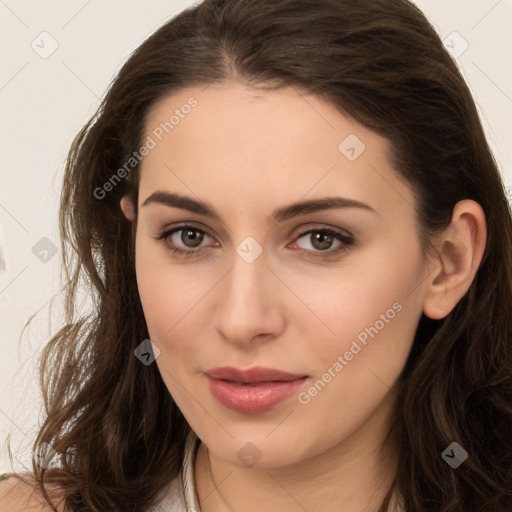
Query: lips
x=254 y=390
x=252 y=375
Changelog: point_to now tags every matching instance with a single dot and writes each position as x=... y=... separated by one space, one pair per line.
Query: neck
x=354 y=475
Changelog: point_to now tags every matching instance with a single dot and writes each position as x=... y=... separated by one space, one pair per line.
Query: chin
x=254 y=447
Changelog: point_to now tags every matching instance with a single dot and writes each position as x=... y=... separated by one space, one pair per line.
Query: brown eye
x=194 y=236
x=321 y=240
x=185 y=240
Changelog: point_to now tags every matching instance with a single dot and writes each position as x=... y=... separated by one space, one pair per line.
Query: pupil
x=194 y=236
x=324 y=240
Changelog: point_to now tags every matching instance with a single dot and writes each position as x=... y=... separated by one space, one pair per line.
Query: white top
x=181 y=495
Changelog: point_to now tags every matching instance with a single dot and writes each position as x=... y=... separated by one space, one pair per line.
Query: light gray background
x=45 y=101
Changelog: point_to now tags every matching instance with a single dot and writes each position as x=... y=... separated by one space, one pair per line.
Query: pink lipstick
x=254 y=390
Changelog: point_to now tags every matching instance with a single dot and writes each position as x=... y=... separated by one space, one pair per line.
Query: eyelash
x=346 y=242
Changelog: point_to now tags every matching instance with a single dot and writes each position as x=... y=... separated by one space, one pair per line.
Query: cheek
x=370 y=310
x=353 y=295
x=165 y=292
x=169 y=301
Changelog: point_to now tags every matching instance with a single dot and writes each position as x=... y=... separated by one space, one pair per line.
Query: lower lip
x=253 y=399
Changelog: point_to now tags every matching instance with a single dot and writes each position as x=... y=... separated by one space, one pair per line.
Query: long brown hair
x=118 y=433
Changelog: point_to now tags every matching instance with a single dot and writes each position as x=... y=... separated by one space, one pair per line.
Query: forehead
x=235 y=139
x=253 y=117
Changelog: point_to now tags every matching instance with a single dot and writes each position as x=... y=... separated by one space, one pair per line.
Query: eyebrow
x=278 y=215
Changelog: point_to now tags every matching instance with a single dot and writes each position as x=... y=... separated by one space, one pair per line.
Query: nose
x=249 y=303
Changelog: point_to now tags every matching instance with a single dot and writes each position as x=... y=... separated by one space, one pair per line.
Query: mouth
x=252 y=391
x=253 y=375
x=252 y=384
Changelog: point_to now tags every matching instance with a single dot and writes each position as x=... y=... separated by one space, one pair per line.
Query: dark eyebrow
x=185 y=203
x=316 y=205
x=279 y=215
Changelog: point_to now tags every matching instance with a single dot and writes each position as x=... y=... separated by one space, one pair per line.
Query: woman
x=300 y=250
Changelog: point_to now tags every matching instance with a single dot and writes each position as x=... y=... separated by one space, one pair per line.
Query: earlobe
x=460 y=252
x=127 y=208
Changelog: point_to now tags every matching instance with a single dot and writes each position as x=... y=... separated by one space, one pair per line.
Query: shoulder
x=19 y=496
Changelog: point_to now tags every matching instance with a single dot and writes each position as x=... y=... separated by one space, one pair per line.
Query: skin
x=20 y=496
x=247 y=152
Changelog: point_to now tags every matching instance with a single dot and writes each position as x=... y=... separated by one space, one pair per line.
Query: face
x=330 y=293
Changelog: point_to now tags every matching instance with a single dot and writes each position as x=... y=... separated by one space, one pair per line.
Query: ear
x=459 y=254
x=127 y=207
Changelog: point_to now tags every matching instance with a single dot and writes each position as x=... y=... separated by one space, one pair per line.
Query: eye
x=319 y=242
x=188 y=240
x=184 y=239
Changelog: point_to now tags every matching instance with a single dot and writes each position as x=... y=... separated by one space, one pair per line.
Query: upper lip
x=256 y=374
